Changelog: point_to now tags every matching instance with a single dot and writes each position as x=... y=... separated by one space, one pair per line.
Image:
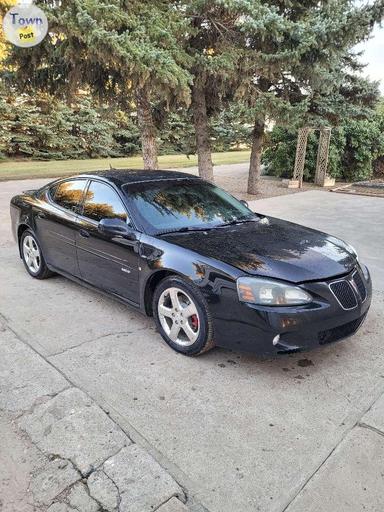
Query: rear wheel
x=182 y=316
x=32 y=256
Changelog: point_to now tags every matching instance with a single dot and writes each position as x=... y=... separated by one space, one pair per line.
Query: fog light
x=276 y=340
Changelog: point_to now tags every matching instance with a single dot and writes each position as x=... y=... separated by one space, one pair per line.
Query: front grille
x=360 y=285
x=340 y=332
x=344 y=293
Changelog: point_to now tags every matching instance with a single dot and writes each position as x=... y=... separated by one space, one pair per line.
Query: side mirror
x=116 y=227
x=244 y=202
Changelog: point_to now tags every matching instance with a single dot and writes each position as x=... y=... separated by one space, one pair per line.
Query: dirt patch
x=269 y=187
x=366 y=188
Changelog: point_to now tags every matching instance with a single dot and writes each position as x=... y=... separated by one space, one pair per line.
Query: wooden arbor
x=321 y=176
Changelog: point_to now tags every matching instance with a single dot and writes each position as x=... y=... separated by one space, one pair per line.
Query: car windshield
x=185 y=205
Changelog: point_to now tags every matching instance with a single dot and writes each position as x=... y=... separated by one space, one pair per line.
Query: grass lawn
x=18 y=170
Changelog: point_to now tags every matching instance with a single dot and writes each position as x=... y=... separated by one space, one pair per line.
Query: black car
x=209 y=270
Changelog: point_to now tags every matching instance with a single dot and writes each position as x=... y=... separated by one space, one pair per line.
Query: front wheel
x=32 y=256
x=182 y=316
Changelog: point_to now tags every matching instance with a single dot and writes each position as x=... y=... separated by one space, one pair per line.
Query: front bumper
x=279 y=330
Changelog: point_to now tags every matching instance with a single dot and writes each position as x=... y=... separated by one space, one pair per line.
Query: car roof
x=122 y=177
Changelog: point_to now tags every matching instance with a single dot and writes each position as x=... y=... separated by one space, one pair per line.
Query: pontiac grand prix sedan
x=208 y=269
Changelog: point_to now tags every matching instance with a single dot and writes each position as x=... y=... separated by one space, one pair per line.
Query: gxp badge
x=25 y=25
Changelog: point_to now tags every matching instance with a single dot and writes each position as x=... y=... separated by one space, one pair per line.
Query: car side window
x=68 y=194
x=102 y=202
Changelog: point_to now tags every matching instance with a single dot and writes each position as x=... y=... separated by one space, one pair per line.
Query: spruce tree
x=298 y=62
x=215 y=47
x=123 y=51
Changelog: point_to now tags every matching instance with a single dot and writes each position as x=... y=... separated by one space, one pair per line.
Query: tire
x=182 y=316
x=30 y=251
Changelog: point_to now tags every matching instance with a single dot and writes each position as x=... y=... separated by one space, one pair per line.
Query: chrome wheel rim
x=31 y=254
x=178 y=316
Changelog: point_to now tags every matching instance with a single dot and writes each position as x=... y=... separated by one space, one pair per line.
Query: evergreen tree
x=290 y=62
x=126 y=51
x=214 y=45
x=41 y=127
x=298 y=64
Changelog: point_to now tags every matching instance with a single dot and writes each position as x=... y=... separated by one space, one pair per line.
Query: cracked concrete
x=21 y=385
x=117 y=334
x=19 y=458
x=142 y=483
x=132 y=480
x=172 y=505
x=51 y=481
x=104 y=490
x=73 y=427
x=231 y=431
x=80 y=499
x=82 y=460
x=60 y=507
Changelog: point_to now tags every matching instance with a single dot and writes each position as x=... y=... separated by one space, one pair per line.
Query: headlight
x=268 y=292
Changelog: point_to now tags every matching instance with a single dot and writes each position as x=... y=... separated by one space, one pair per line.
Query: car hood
x=272 y=247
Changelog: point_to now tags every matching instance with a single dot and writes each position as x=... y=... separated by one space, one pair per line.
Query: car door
x=108 y=262
x=56 y=226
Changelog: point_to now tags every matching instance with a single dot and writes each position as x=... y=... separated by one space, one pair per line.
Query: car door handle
x=40 y=215
x=84 y=233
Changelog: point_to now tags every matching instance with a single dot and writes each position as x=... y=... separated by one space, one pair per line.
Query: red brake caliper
x=194 y=322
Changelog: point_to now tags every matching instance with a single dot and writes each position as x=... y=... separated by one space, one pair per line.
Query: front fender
x=161 y=258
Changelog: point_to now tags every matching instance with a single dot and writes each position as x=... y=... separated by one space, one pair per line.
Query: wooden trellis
x=321 y=176
x=301 y=150
x=322 y=157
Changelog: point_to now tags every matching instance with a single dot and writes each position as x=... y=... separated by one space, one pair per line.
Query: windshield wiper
x=238 y=221
x=186 y=229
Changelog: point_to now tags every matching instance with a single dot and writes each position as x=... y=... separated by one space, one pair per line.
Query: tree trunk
x=255 y=160
x=147 y=129
x=203 y=145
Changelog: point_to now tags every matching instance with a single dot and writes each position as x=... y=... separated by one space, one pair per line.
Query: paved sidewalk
x=97 y=412
x=61 y=452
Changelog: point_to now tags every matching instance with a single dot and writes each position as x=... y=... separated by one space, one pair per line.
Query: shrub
x=354 y=148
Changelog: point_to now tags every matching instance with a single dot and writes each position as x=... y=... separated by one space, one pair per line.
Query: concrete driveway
x=298 y=433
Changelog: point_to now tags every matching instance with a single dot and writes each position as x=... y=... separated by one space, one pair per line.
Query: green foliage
x=279 y=156
x=290 y=62
x=298 y=60
x=177 y=134
x=43 y=128
x=112 y=47
x=230 y=128
x=354 y=148
x=364 y=144
x=122 y=52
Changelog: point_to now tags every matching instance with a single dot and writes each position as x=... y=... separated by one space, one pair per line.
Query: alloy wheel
x=178 y=316
x=31 y=254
